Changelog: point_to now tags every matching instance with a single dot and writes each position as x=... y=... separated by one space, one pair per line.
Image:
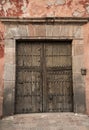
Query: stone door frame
x=38 y=29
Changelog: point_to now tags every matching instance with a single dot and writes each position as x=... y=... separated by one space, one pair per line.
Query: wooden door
x=43 y=77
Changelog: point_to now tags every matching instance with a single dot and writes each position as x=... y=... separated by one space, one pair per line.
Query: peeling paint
x=60 y=2
x=87 y=8
x=78 y=14
x=40 y=8
x=12 y=7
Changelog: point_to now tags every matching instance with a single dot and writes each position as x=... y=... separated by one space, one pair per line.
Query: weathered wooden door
x=58 y=84
x=28 y=77
x=43 y=77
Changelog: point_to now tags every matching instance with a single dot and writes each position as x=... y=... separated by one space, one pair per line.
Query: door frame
x=13 y=101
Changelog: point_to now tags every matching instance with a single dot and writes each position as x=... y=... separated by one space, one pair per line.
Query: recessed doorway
x=43 y=77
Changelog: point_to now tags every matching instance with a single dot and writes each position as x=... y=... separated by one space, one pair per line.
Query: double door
x=43 y=77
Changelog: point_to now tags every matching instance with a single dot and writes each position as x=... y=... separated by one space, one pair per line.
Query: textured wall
x=31 y=8
x=1 y=64
x=44 y=8
x=86 y=50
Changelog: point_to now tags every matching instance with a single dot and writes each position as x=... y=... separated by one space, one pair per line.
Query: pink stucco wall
x=44 y=8
x=40 y=8
x=86 y=50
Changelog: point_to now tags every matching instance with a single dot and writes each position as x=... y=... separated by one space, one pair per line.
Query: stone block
x=10 y=50
x=78 y=63
x=78 y=41
x=79 y=97
x=58 y=30
x=9 y=72
x=78 y=49
x=77 y=32
x=65 y=31
x=11 y=31
x=10 y=58
x=77 y=77
x=49 y=30
x=70 y=30
x=40 y=30
x=31 y=29
x=23 y=30
x=9 y=98
x=9 y=43
x=10 y=55
x=16 y=30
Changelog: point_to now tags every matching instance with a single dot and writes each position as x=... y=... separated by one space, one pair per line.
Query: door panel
x=43 y=77
x=28 y=78
x=58 y=77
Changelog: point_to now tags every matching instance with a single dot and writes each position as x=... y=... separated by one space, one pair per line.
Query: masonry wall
x=86 y=52
x=44 y=8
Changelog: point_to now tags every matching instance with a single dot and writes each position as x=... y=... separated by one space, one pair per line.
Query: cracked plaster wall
x=39 y=8
x=43 y=8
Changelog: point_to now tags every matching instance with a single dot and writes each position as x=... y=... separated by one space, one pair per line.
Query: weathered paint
x=39 y=8
x=1 y=64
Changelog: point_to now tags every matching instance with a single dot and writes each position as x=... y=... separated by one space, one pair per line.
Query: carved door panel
x=28 y=78
x=58 y=77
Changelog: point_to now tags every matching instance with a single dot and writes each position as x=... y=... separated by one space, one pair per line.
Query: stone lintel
x=46 y=20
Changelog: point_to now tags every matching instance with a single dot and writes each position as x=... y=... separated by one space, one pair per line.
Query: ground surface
x=46 y=121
